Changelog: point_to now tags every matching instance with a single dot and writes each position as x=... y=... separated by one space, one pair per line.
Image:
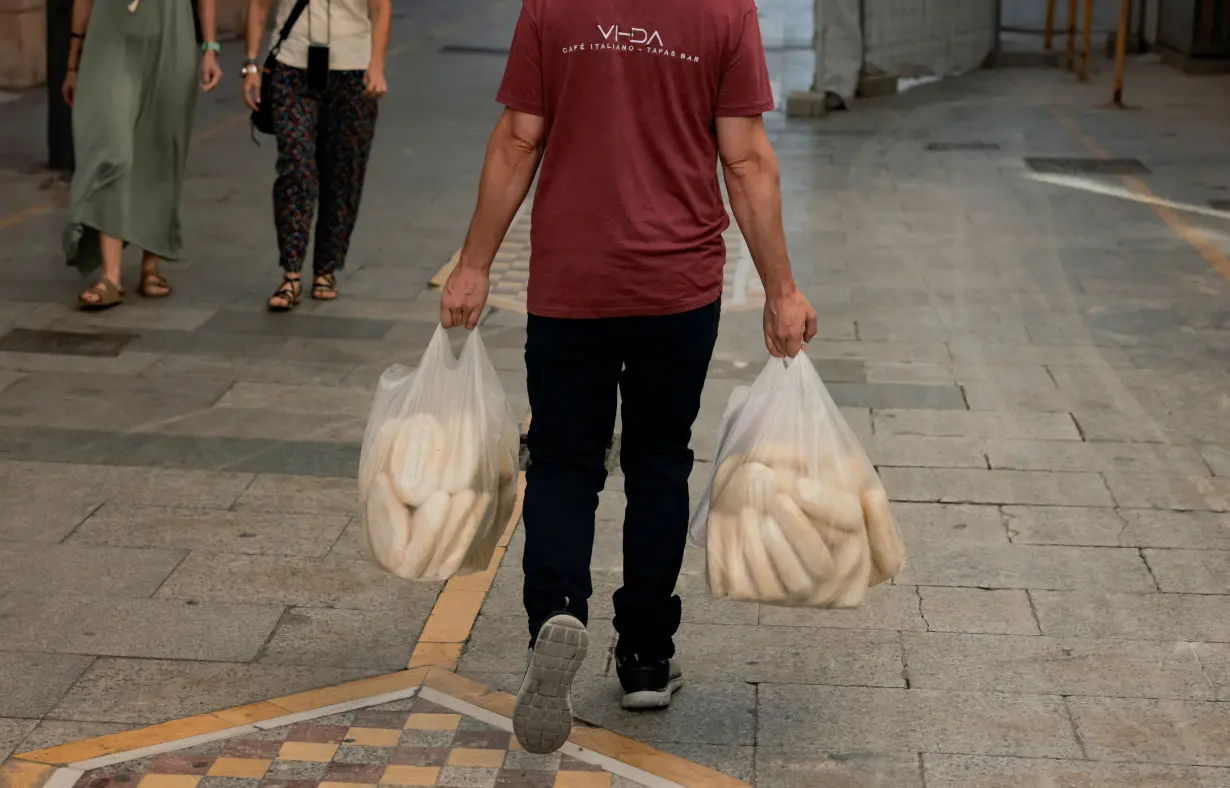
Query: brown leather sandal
x=287 y=294
x=154 y=285
x=324 y=287
x=106 y=295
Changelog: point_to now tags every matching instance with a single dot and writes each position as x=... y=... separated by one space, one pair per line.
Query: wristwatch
x=211 y=46
x=249 y=67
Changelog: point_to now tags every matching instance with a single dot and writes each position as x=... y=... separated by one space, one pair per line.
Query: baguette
x=482 y=546
x=803 y=537
x=721 y=477
x=764 y=578
x=459 y=506
x=375 y=459
x=848 y=553
x=465 y=442
x=416 y=459
x=467 y=515
x=784 y=480
x=426 y=530
x=716 y=552
x=505 y=504
x=778 y=455
x=752 y=486
x=509 y=448
x=387 y=527
x=738 y=579
x=883 y=538
x=828 y=506
x=794 y=578
x=853 y=591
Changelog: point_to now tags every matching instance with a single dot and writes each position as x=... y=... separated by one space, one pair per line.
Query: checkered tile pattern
x=406 y=743
x=510 y=273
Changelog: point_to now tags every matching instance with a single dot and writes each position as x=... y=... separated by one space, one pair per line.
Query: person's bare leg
x=153 y=285
x=112 y=252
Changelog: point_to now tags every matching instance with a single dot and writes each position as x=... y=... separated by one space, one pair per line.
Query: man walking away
x=627 y=104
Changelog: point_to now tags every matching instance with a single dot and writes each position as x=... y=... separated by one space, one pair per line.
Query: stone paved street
x=1037 y=362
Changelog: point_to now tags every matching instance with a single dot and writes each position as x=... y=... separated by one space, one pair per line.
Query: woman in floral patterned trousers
x=324 y=136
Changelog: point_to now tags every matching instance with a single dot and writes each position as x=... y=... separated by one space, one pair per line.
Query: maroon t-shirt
x=628 y=217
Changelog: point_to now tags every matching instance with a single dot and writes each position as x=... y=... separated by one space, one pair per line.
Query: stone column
x=23 y=46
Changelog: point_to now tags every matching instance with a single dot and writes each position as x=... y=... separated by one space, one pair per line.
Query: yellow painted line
x=452 y=618
x=219 y=127
x=161 y=733
x=442 y=275
x=1194 y=238
x=174 y=730
x=352 y=690
x=14 y=219
x=20 y=774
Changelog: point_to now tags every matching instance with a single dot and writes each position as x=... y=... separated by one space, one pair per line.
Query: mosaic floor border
x=427 y=727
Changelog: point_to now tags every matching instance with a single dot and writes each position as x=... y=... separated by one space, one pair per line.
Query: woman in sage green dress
x=133 y=73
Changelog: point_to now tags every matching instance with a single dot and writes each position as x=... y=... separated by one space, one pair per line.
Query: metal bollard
x=59 y=114
x=1087 y=52
x=1050 y=25
x=1071 y=59
x=1125 y=11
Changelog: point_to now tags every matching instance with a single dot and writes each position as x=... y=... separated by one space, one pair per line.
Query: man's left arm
x=381 y=13
x=513 y=155
x=211 y=72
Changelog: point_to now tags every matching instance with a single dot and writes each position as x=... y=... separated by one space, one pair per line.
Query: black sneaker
x=648 y=683
x=542 y=718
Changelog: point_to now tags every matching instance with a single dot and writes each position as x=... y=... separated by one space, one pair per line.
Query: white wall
x=916 y=37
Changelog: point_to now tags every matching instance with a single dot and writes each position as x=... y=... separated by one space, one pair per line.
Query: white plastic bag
x=795 y=514
x=437 y=474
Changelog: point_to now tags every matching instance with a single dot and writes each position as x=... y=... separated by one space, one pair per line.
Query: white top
x=344 y=25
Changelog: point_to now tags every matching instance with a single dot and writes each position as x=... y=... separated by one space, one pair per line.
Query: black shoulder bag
x=262 y=118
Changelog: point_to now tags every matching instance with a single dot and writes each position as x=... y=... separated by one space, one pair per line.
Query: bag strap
x=196 y=23
x=295 y=13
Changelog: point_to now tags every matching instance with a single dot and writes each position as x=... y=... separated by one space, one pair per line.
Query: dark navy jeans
x=577 y=371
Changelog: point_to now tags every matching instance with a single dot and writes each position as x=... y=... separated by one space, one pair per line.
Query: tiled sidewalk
x=1039 y=368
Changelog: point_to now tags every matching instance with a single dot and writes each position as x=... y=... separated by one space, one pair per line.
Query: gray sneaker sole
x=542 y=718
x=649 y=700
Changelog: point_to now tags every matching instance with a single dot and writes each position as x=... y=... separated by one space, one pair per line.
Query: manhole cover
x=956 y=146
x=63 y=343
x=1062 y=166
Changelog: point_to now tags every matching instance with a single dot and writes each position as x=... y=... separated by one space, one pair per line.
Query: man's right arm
x=513 y=155
x=754 y=183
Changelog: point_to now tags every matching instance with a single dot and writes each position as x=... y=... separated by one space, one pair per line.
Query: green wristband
x=211 y=46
